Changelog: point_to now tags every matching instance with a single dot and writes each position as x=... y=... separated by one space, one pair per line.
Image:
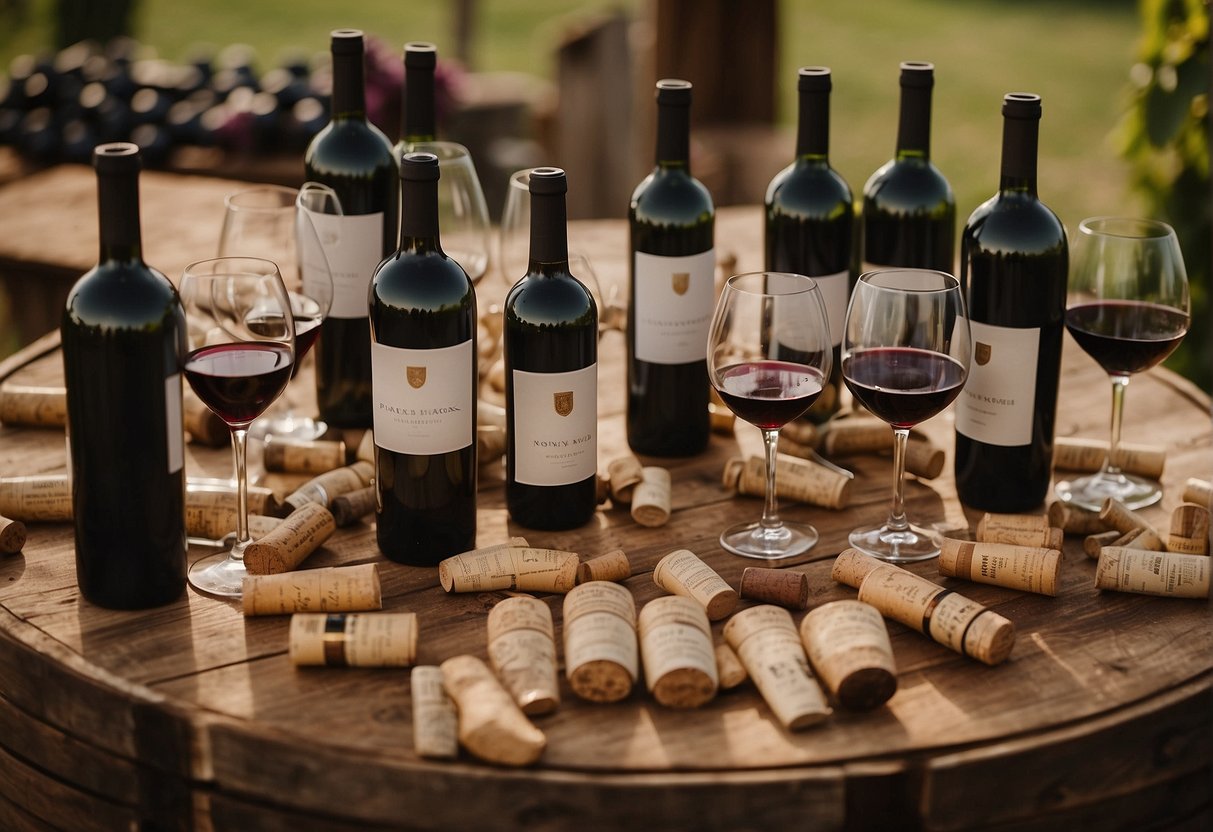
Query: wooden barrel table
x=190 y=716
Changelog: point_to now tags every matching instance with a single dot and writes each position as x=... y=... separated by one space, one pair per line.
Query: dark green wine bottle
x=124 y=341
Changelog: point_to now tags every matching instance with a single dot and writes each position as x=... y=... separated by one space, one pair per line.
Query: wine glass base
x=219 y=574
x=908 y=545
x=1090 y=492
x=751 y=540
x=298 y=428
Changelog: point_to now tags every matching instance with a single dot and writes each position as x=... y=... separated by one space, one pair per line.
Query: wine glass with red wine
x=241 y=352
x=1128 y=309
x=769 y=351
x=905 y=357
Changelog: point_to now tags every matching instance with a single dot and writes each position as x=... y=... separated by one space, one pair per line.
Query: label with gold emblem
x=555 y=426
x=998 y=402
x=423 y=398
x=673 y=301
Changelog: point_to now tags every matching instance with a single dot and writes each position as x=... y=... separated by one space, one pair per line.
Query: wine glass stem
x=770 y=513
x=897 y=516
x=1119 y=384
x=239 y=448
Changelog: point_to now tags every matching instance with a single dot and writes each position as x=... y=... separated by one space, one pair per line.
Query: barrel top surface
x=1085 y=662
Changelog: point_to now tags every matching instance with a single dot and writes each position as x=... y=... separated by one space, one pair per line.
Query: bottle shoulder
x=348 y=145
x=810 y=190
x=122 y=295
x=540 y=300
x=671 y=197
x=903 y=185
x=1014 y=222
x=430 y=281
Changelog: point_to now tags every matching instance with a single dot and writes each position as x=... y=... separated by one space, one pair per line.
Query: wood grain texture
x=191 y=716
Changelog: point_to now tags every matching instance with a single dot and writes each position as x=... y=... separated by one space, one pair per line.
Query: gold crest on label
x=681 y=282
x=563 y=402
x=416 y=376
x=982 y=354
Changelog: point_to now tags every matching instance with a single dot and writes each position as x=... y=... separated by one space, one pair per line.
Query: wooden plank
x=57 y=804
x=14 y=818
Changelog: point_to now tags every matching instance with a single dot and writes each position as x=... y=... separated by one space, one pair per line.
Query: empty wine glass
x=241 y=351
x=769 y=352
x=463 y=214
x=905 y=357
x=1128 y=309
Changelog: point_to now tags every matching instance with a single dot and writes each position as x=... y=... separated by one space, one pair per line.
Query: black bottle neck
x=419 y=121
x=419 y=216
x=813 y=128
x=118 y=214
x=673 y=136
x=349 y=90
x=914 y=124
x=549 y=232
x=1019 y=146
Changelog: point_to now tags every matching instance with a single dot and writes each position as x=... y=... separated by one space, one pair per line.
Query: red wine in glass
x=238 y=381
x=769 y=394
x=1126 y=336
x=902 y=385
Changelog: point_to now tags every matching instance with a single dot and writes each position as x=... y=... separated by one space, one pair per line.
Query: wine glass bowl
x=241 y=340
x=1128 y=308
x=905 y=356
x=769 y=354
x=463 y=214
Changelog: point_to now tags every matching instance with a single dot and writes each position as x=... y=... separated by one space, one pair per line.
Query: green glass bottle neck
x=118 y=217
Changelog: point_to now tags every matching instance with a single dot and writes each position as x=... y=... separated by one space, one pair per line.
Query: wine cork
x=721 y=420
x=1199 y=492
x=217 y=522
x=769 y=647
x=681 y=572
x=489 y=415
x=1093 y=543
x=1074 y=520
x=1019 y=530
x=40 y=407
x=377 y=639
x=924 y=459
x=802 y=432
x=613 y=566
x=303 y=457
x=496 y=376
x=12 y=536
x=855 y=435
x=676 y=648
x=332 y=589
x=222 y=494
x=1071 y=453
x=729 y=669
x=509 y=567
x=366 y=448
x=625 y=474
x=1144 y=539
x=351 y=507
x=775 y=586
x=602 y=489
x=1153 y=573
x=490 y=444
x=1189 y=530
x=852 y=566
x=795 y=479
x=435 y=722
x=849 y=649
x=47 y=497
x=522 y=652
x=201 y=423
x=491 y=727
x=1029 y=568
x=945 y=616
x=1116 y=515
x=651 y=497
x=324 y=488
x=601 y=656
x=291 y=541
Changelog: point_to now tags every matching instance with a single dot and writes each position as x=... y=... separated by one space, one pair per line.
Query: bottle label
x=674 y=298
x=556 y=426
x=423 y=398
x=998 y=401
x=836 y=292
x=353 y=246
x=172 y=423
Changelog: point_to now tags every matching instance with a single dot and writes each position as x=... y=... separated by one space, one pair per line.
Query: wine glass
x=1128 y=309
x=463 y=214
x=284 y=226
x=241 y=351
x=905 y=356
x=769 y=352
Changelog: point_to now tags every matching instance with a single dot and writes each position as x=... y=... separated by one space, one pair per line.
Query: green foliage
x=1165 y=136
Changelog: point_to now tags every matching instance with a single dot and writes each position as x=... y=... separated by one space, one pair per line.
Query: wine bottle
x=124 y=341
x=1013 y=267
x=671 y=228
x=551 y=375
x=355 y=159
x=810 y=222
x=417 y=108
x=909 y=212
x=424 y=378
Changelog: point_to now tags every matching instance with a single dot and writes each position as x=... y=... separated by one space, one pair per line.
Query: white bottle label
x=836 y=292
x=353 y=246
x=556 y=426
x=173 y=425
x=998 y=401
x=423 y=398
x=674 y=299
